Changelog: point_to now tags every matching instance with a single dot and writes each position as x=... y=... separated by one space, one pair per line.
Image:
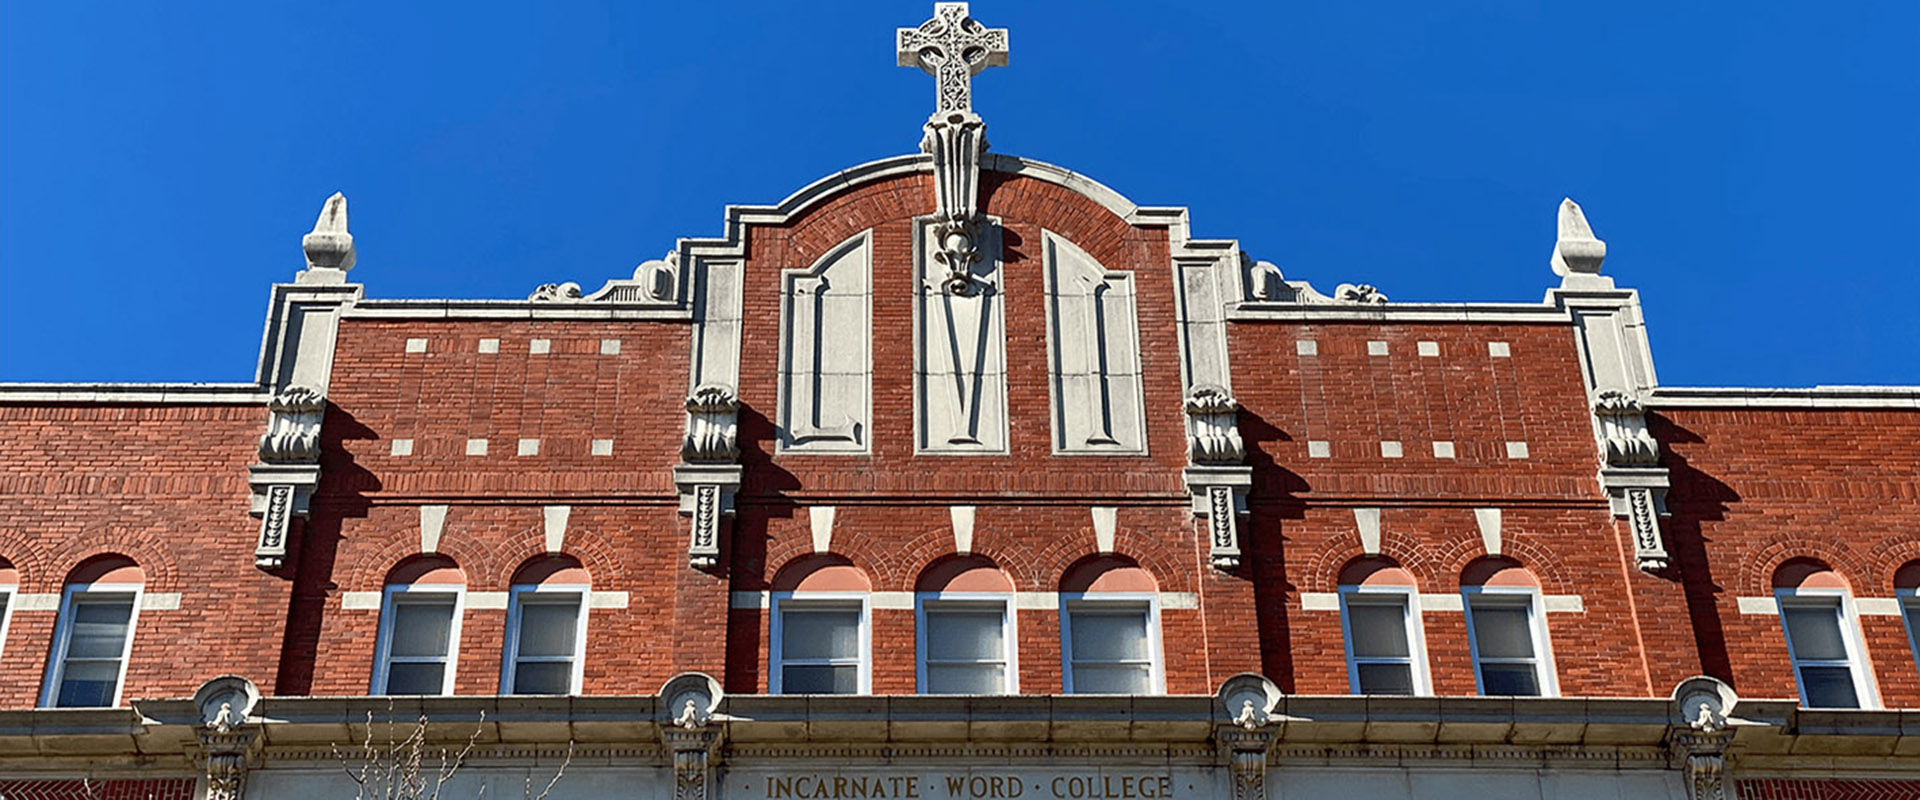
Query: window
x=94 y=634
x=966 y=645
x=1508 y=642
x=1111 y=644
x=819 y=644
x=1110 y=628
x=1909 y=610
x=419 y=636
x=9 y=586
x=1826 y=653
x=1384 y=648
x=546 y=631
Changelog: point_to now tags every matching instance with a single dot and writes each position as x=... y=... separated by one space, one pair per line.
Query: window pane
x=416 y=678
x=820 y=679
x=1386 y=678
x=1502 y=632
x=88 y=684
x=1104 y=679
x=1109 y=635
x=1379 y=630
x=1502 y=680
x=547 y=628
x=1912 y=609
x=99 y=627
x=965 y=635
x=421 y=627
x=1829 y=687
x=820 y=633
x=964 y=679
x=1815 y=631
x=543 y=677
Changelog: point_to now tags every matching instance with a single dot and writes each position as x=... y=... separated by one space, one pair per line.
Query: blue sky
x=1754 y=167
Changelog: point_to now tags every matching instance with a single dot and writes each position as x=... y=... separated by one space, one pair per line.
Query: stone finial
x=1577 y=250
x=330 y=246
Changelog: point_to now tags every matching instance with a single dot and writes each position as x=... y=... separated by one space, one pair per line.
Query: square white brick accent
x=1376 y=348
x=1318 y=449
x=416 y=345
x=489 y=345
x=1516 y=449
x=1499 y=350
x=1429 y=349
x=401 y=447
x=1390 y=450
x=476 y=447
x=528 y=447
x=1443 y=450
x=609 y=347
x=540 y=346
x=1307 y=347
x=603 y=447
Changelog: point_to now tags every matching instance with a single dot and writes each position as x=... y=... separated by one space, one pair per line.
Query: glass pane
x=1386 y=678
x=820 y=633
x=1501 y=680
x=1379 y=630
x=1502 y=632
x=1111 y=679
x=964 y=679
x=1109 y=635
x=1829 y=687
x=543 y=677
x=88 y=684
x=416 y=678
x=1912 y=609
x=1815 y=631
x=421 y=627
x=99 y=627
x=965 y=635
x=820 y=679
x=546 y=629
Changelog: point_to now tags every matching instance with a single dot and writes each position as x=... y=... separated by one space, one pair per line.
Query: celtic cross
x=952 y=47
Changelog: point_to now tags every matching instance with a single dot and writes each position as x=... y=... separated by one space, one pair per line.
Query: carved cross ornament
x=952 y=47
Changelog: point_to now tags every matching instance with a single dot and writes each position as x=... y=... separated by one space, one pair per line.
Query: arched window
x=1823 y=637
x=1507 y=631
x=1110 y=628
x=1380 y=610
x=1906 y=587
x=819 y=638
x=964 y=628
x=419 y=640
x=98 y=609
x=9 y=586
x=546 y=628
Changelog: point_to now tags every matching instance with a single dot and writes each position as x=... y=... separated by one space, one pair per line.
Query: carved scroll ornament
x=293 y=426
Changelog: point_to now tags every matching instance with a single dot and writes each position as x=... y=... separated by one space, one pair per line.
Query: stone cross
x=953 y=48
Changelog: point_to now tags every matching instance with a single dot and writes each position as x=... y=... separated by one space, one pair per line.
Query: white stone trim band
x=1553 y=603
x=1898 y=397
x=1862 y=606
x=184 y=393
x=1025 y=601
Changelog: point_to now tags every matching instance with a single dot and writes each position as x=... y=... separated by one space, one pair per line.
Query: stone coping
x=408 y=308
x=141 y=393
x=1865 y=397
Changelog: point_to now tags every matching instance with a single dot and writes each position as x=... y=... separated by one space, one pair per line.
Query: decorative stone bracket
x=689 y=700
x=1701 y=736
x=710 y=475
x=1216 y=478
x=229 y=739
x=1631 y=474
x=289 y=469
x=1248 y=702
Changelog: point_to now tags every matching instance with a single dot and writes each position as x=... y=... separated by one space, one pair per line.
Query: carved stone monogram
x=1094 y=353
x=961 y=353
x=826 y=367
x=270 y=552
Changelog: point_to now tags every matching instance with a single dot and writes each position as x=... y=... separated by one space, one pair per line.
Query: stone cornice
x=136 y=393
x=1862 y=397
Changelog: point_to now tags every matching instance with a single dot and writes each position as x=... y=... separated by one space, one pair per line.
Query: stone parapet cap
x=138 y=393
x=1864 y=397
x=517 y=310
x=1530 y=313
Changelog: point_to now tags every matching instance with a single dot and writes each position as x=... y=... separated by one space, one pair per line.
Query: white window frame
x=1072 y=601
x=10 y=596
x=1009 y=612
x=1416 y=635
x=805 y=601
x=1909 y=599
x=1545 y=673
x=546 y=593
x=384 y=641
x=1857 y=664
x=63 y=631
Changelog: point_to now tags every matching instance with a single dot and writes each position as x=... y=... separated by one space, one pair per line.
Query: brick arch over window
x=1150 y=553
x=902 y=568
x=1756 y=570
x=1498 y=571
x=106 y=568
x=827 y=572
x=479 y=559
x=594 y=552
x=1432 y=565
x=36 y=570
x=151 y=552
x=557 y=569
x=1107 y=573
x=1376 y=571
x=1808 y=573
x=968 y=573
x=428 y=568
x=1890 y=558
